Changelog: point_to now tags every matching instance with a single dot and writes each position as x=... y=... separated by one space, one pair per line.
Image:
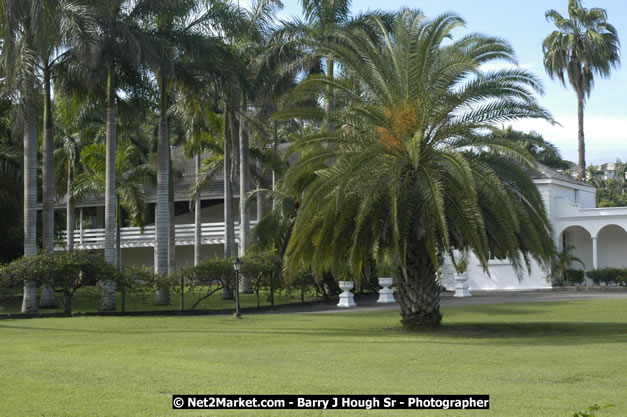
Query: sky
x=522 y=23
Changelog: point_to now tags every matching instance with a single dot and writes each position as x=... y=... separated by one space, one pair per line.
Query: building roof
x=184 y=176
x=184 y=169
x=544 y=172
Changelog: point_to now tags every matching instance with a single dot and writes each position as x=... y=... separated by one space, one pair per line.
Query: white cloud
x=501 y=65
x=606 y=136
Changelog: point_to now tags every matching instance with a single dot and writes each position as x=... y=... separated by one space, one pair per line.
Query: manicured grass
x=88 y=299
x=537 y=359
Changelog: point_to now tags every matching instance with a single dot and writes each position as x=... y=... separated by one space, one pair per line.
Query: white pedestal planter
x=347 y=298
x=386 y=294
x=461 y=285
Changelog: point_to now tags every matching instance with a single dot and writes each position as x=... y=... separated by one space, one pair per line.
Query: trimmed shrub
x=264 y=269
x=213 y=275
x=608 y=276
x=575 y=276
x=65 y=271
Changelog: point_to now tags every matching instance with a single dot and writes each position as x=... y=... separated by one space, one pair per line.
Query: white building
x=598 y=234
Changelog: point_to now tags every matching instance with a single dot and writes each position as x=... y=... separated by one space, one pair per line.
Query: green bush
x=575 y=276
x=65 y=271
x=211 y=276
x=608 y=276
x=264 y=270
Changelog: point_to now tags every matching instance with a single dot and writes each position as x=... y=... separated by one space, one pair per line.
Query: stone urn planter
x=461 y=285
x=347 y=299
x=386 y=294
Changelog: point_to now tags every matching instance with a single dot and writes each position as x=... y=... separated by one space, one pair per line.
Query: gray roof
x=184 y=169
x=184 y=175
x=544 y=172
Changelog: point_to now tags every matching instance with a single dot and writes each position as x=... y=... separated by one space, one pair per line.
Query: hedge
x=608 y=276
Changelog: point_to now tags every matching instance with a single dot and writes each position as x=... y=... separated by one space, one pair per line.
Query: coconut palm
x=410 y=173
x=259 y=21
x=19 y=64
x=119 y=50
x=584 y=44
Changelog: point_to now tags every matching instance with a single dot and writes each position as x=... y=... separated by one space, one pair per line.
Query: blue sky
x=522 y=23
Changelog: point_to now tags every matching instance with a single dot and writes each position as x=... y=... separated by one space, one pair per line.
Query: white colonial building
x=598 y=234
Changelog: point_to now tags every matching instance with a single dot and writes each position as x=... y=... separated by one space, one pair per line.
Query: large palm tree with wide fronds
x=583 y=44
x=411 y=173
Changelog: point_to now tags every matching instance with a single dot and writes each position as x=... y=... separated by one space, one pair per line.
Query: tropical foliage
x=397 y=156
x=409 y=173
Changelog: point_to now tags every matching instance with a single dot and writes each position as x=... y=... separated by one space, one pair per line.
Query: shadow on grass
x=530 y=333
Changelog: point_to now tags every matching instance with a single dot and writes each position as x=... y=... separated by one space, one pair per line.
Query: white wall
x=582 y=242
x=184 y=255
x=612 y=247
x=501 y=276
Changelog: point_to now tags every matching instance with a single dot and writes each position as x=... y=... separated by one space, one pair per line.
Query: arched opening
x=580 y=242
x=612 y=247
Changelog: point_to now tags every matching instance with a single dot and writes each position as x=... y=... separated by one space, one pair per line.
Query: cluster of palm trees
x=392 y=115
x=91 y=72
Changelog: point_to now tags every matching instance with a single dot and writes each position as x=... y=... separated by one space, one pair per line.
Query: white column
x=81 y=226
x=595 y=259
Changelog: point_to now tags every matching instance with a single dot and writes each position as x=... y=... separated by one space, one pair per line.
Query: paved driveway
x=369 y=302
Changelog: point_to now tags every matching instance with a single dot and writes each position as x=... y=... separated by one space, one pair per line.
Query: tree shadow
x=529 y=333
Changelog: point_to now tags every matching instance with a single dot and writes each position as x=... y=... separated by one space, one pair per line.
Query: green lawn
x=539 y=359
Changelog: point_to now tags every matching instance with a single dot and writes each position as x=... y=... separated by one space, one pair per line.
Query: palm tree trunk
x=580 y=135
x=69 y=207
x=244 y=179
x=229 y=226
x=418 y=292
x=275 y=145
x=197 y=217
x=108 y=286
x=260 y=206
x=328 y=102
x=118 y=232
x=47 y=299
x=163 y=196
x=29 y=301
x=171 y=240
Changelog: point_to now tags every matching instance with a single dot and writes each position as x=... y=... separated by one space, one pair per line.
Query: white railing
x=135 y=237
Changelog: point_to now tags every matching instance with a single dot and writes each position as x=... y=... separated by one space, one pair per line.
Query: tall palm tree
x=202 y=129
x=63 y=27
x=181 y=35
x=259 y=20
x=19 y=63
x=119 y=49
x=583 y=45
x=409 y=172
